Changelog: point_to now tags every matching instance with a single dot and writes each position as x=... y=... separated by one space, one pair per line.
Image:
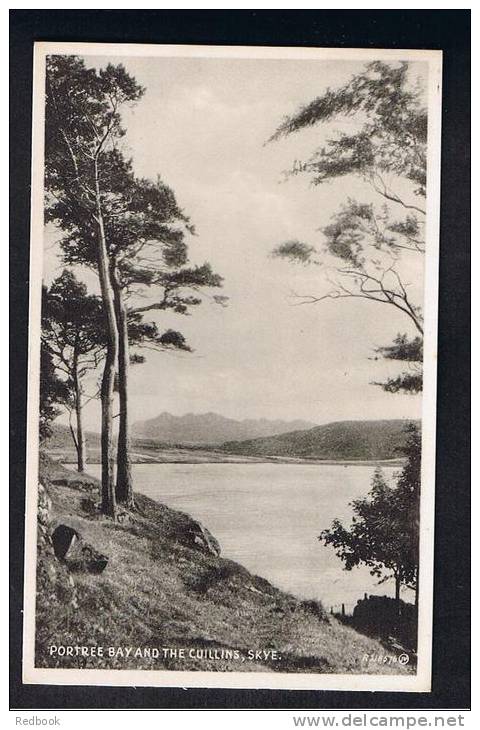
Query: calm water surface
x=268 y=516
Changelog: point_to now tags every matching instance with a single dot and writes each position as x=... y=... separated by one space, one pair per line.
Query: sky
x=202 y=125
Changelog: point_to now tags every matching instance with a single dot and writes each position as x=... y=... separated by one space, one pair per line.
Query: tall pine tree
x=82 y=132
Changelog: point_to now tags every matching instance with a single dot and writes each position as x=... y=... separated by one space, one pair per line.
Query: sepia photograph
x=232 y=367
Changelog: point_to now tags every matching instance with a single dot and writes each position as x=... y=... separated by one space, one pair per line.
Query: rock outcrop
x=77 y=554
x=196 y=535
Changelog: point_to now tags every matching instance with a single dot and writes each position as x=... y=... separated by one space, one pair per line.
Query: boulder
x=64 y=539
x=89 y=560
x=195 y=535
x=78 y=555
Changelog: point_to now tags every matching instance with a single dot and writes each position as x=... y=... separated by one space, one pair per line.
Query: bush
x=384 y=616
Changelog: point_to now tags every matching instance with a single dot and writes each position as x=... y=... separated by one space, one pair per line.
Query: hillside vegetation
x=61 y=438
x=164 y=587
x=362 y=440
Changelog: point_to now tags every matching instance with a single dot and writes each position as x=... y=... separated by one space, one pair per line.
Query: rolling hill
x=210 y=428
x=341 y=440
x=61 y=438
x=363 y=440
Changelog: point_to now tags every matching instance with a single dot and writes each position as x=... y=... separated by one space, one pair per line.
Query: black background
x=447 y=30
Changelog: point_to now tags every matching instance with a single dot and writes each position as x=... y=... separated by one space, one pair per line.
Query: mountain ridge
x=368 y=439
x=211 y=428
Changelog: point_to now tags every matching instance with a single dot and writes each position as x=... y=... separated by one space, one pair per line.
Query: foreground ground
x=164 y=590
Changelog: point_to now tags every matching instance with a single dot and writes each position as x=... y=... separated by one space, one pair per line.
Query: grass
x=159 y=592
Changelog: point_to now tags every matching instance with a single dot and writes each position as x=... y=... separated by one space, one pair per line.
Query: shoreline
x=187 y=596
x=209 y=458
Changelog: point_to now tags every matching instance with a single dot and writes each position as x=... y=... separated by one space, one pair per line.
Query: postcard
x=232 y=367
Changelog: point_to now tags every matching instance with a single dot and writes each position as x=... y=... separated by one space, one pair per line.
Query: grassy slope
x=156 y=592
x=339 y=440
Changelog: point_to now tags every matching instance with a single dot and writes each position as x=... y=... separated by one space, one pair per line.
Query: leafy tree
x=148 y=252
x=73 y=334
x=53 y=392
x=142 y=236
x=384 y=532
x=392 y=136
x=82 y=170
x=404 y=350
x=365 y=243
x=145 y=231
x=73 y=341
x=134 y=332
x=407 y=503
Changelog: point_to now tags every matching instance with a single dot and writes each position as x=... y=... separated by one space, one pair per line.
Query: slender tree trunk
x=80 y=440
x=72 y=432
x=107 y=388
x=398 y=584
x=124 y=486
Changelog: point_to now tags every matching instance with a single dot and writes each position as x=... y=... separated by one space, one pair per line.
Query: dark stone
x=64 y=539
x=75 y=552
x=89 y=561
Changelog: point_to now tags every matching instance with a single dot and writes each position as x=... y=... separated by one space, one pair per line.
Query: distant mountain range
x=340 y=440
x=211 y=429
